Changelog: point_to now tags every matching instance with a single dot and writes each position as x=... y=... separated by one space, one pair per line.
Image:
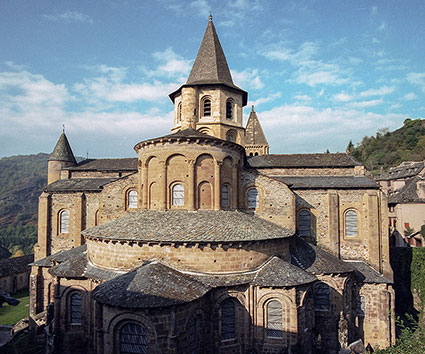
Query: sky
x=319 y=72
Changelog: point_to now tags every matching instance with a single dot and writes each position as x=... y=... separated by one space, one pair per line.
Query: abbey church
x=206 y=243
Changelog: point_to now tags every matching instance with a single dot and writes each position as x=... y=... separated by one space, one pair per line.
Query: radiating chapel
x=206 y=243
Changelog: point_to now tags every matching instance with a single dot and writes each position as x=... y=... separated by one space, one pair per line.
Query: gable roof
x=367 y=274
x=122 y=164
x=404 y=170
x=254 y=133
x=326 y=182
x=302 y=161
x=62 y=151
x=15 y=265
x=408 y=193
x=79 y=185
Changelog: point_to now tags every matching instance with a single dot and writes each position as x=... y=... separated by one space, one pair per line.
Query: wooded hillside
x=387 y=149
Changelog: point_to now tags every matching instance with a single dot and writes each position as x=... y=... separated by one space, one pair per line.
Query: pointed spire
x=210 y=65
x=62 y=150
x=254 y=132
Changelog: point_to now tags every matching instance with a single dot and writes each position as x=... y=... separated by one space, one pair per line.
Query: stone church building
x=206 y=243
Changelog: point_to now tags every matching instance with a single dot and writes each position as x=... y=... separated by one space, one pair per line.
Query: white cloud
x=70 y=16
x=342 y=97
x=304 y=98
x=201 y=6
x=384 y=90
x=171 y=64
x=417 y=79
x=248 y=78
x=382 y=27
x=364 y=104
x=410 y=96
x=266 y=99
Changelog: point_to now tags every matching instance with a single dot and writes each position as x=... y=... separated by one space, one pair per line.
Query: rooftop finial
x=252 y=108
x=210 y=18
x=63 y=128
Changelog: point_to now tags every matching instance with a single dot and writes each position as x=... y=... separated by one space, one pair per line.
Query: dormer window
x=207 y=108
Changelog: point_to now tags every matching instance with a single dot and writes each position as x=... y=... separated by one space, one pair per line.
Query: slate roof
x=151 y=285
x=210 y=66
x=4 y=253
x=404 y=170
x=254 y=133
x=326 y=182
x=60 y=257
x=408 y=193
x=188 y=226
x=303 y=160
x=15 y=265
x=125 y=164
x=367 y=274
x=317 y=261
x=78 y=185
x=62 y=151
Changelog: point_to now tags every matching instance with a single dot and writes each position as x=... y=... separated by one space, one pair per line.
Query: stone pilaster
x=191 y=192
x=79 y=219
x=163 y=185
x=334 y=235
x=42 y=248
x=144 y=186
x=217 y=185
x=373 y=227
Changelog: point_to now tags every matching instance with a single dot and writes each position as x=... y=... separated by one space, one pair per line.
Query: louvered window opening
x=304 y=223
x=64 y=222
x=321 y=297
x=179 y=112
x=193 y=337
x=228 y=325
x=229 y=109
x=274 y=319
x=76 y=309
x=133 y=339
x=253 y=198
x=132 y=199
x=207 y=108
x=351 y=223
x=225 y=196
x=178 y=195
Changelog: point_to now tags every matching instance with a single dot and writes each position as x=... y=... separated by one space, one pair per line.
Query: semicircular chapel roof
x=188 y=226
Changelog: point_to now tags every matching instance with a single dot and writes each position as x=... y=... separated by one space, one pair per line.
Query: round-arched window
x=177 y=195
x=351 y=229
x=64 y=222
x=132 y=339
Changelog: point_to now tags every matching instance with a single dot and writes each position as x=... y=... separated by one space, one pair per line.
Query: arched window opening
x=64 y=222
x=229 y=109
x=207 y=108
x=351 y=223
x=132 y=199
x=361 y=310
x=256 y=154
x=132 y=339
x=76 y=310
x=228 y=321
x=179 y=112
x=304 y=223
x=322 y=300
x=178 y=195
x=274 y=319
x=251 y=154
x=225 y=196
x=231 y=136
x=96 y=218
x=253 y=198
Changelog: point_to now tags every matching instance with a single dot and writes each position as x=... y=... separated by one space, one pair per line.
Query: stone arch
x=206 y=106
x=154 y=196
x=176 y=169
x=204 y=172
x=230 y=109
x=68 y=294
x=64 y=221
x=205 y=130
x=231 y=135
x=175 y=194
x=129 y=199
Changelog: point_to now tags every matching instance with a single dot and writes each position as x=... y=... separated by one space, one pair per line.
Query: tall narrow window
x=76 y=310
x=132 y=339
x=193 y=336
x=179 y=112
x=351 y=223
x=132 y=199
x=207 y=108
x=228 y=323
x=64 y=222
x=253 y=198
x=274 y=319
x=322 y=297
x=178 y=195
x=231 y=136
x=304 y=223
x=225 y=200
x=229 y=109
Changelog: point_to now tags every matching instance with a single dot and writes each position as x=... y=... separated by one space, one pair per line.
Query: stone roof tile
x=367 y=274
x=104 y=165
x=408 y=193
x=254 y=132
x=15 y=265
x=302 y=160
x=62 y=151
x=326 y=182
x=60 y=257
x=78 y=185
x=188 y=226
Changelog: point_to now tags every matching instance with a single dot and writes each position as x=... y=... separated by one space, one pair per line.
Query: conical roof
x=210 y=66
x=254 y=132
x=62 y=151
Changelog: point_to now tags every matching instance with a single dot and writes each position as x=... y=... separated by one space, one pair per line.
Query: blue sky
x=318 y=72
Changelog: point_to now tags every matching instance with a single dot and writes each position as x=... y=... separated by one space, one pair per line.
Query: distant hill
x=388 y=149
x=22 y=179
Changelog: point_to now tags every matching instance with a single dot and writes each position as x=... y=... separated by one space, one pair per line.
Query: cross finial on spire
x=63 y=128
x=252 y=108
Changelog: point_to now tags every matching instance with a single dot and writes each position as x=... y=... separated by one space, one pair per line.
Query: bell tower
x=209 y=101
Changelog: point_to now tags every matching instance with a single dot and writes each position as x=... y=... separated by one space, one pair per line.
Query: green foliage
x=408 y=231
x=410 y=341
x=18 y=238
x=10 y=315
x=423 y=230
x=417 y=269
x=388 y=149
